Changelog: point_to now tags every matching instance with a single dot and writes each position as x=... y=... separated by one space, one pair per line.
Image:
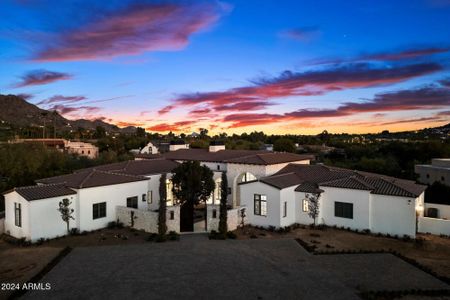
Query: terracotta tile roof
x=308 y=187
x=349 y=183
x=254 y=157
x=138 y=167
x=36 y=192
x=281 y=181
x=91 y=178
x=309 y=176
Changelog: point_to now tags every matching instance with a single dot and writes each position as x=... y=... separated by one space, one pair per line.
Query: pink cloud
x=289 y=83
x=303 y=34
x=133 y=30
x=62 y=99
x=40 y=77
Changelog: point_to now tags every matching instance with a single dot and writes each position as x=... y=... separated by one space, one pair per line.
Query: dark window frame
x=18 y=214
x=99 y=210
x=132 y=202
x=144 y=197
x=257 y=205
x=214 y=213
x=285 y=209
x=171 y=215
x=343 y=210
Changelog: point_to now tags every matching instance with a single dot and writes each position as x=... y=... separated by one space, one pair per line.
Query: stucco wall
x=288 y=196
x=233 y=218
x=10 y=227
x=148 y=220
x=302 y=217
x=113 y=195
x=359 y=199
x=443 y=210
x=434 y=226
x=429 y=174
x=273 y=204
x=45 y=219
x=394 y=215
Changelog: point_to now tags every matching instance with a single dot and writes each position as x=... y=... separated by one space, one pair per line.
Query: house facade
x=272 y=187
x=346 y=198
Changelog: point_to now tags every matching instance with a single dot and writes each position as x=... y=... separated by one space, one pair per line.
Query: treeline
x=390 y=158
x=22 y=164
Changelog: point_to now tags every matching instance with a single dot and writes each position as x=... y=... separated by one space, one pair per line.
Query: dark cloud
x=62 y=99
x=429 y=97
x=39 y=77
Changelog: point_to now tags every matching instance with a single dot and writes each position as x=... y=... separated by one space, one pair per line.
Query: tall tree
x=162 y=226
x=313 y=205
x=284 y=145
x=66 y=212
x=192 y=184
x=223 y=204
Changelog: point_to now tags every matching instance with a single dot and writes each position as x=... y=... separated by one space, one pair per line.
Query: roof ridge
x=120 y=174
x=86 y=178
x=36 y=185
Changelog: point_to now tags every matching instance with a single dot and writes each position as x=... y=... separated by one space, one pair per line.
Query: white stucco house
x=358 y=200
x=271 y=186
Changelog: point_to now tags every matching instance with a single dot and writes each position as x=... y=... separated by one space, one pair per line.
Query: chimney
x=215 y=146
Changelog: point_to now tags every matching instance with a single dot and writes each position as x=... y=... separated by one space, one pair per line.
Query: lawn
x=430 y=251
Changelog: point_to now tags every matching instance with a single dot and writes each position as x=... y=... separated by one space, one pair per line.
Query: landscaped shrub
x=173 y=236
x=214 y=235
x=74 y=231
x=314 y=234
x=253 y=236
x=160 y=238
x=231 y=235
x=151 y=237
x=112 y=224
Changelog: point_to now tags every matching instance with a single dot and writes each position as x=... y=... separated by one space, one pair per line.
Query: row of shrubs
x=171 y=236
x=214 y=235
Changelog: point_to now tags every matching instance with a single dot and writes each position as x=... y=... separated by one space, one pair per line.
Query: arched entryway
x=243 y=177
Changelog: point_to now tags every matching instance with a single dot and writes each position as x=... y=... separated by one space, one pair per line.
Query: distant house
x=80 y=148
x=439 y=171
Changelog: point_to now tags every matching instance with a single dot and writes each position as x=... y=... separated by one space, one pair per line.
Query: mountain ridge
x=17 y=111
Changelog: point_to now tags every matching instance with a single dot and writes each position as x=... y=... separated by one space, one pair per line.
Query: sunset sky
x=232 y=66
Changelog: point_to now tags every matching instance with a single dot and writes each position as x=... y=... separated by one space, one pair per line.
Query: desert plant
x=66 y=212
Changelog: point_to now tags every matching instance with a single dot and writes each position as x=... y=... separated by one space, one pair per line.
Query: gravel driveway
x=197 y=268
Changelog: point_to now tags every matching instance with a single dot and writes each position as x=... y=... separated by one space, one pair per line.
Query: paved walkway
x=196 y=268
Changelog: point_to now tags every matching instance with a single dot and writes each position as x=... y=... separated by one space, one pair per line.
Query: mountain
x=16 y=111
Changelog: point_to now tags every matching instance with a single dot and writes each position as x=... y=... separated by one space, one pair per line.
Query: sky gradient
x=232 y=66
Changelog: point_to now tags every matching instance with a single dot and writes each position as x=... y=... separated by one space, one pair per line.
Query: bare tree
x=66 y=212
x=313 y=205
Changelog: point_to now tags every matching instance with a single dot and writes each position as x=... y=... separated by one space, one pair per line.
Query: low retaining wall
x=148 y=220
x=233 y=217
x=434 y=226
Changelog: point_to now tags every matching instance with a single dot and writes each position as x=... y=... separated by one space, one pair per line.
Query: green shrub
x=232 y=235
x=173 y=236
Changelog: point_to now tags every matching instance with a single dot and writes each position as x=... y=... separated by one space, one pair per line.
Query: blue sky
x=233 y=66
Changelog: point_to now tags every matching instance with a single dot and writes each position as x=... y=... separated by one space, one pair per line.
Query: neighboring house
x=80 y=148
x=439 y=171
x=358 y=200
x=272 y=186
x=150 y=148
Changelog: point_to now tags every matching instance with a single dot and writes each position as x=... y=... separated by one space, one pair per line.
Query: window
x=218 y=167
x=442 y=178
x=305 y=205
x=260 y=205
x=82 y=151
x=284 y=209
x=229 y=191
x=214 y=213
x=18 y=214
x=144 y=197
x=150 y=197
x=428 y=175
x=132 y=202
x=343 y=210
x=89 y=151
x=99 y=210
x=171 y=215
